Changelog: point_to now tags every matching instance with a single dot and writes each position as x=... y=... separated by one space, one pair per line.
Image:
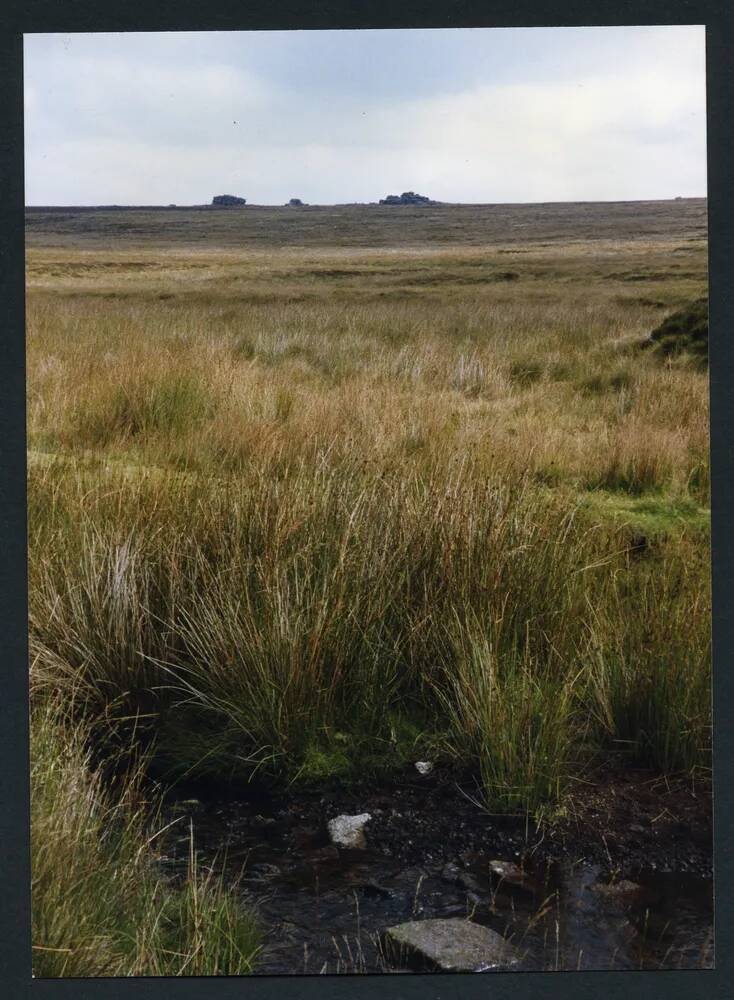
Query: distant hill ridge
x=365 y=204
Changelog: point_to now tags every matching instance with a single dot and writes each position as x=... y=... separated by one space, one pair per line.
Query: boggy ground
x=345 y=490
x=430 y=853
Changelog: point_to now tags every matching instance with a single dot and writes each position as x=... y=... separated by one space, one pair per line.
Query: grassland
x=317 y=492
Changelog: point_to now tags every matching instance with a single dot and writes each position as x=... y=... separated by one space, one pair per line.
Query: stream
x=429 y=853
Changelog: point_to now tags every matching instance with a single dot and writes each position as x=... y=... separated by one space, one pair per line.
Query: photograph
x=368 y=501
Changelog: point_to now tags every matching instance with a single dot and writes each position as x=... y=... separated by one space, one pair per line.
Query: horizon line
x=367 y=204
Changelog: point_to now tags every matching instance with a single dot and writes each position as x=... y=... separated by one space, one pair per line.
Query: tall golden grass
x=285 y=505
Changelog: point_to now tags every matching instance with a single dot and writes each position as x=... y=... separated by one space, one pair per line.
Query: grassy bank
x=100 y=907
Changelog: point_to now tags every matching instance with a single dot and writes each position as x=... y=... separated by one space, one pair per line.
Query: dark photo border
x=18 y=17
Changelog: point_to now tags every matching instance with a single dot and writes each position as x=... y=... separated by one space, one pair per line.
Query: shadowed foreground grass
x=99 y=906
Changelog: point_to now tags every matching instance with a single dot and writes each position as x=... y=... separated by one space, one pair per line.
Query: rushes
x=264 y=623
x=165 y=405
x=514 y=716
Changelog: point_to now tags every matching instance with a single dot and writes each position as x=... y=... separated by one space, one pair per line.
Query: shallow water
x=322 y=909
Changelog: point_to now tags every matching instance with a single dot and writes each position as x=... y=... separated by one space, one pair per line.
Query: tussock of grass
x=166 y=405
x=633 y=473
x=526 y=372
x=653 y=697
x=512 y=714
x=601 y=382
x=240 y=634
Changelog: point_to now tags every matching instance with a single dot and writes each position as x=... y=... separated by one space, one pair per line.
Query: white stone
x=423 y=766
x=348 y=831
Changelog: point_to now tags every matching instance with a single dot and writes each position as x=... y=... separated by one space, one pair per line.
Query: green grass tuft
x=167 y=406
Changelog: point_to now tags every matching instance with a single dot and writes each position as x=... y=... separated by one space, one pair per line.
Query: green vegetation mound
x=684 y=332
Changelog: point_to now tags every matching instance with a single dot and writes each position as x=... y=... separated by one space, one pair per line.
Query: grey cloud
x=334 y=116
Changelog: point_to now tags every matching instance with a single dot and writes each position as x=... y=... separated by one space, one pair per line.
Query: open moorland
x=317 y=493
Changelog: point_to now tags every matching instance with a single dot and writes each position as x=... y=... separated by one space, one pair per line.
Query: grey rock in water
x=228 y=199
x=348 y=831
x=448 y=945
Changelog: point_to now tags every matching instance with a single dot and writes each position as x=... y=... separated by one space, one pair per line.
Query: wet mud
x=622 y=880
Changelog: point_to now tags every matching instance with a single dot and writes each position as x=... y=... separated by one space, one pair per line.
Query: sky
x=461 y=115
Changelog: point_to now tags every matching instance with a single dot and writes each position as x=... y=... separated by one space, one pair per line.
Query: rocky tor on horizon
x=407 y=198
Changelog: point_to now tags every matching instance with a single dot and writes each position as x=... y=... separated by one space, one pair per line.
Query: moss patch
x=653 y=516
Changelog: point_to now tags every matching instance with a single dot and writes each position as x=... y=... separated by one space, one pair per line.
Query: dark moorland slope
x=369 y=225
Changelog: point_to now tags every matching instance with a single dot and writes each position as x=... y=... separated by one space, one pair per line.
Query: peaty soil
x=618 y=877
x=621 y=820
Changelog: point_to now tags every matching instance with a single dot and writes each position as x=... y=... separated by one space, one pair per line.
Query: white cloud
x=134 y=124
